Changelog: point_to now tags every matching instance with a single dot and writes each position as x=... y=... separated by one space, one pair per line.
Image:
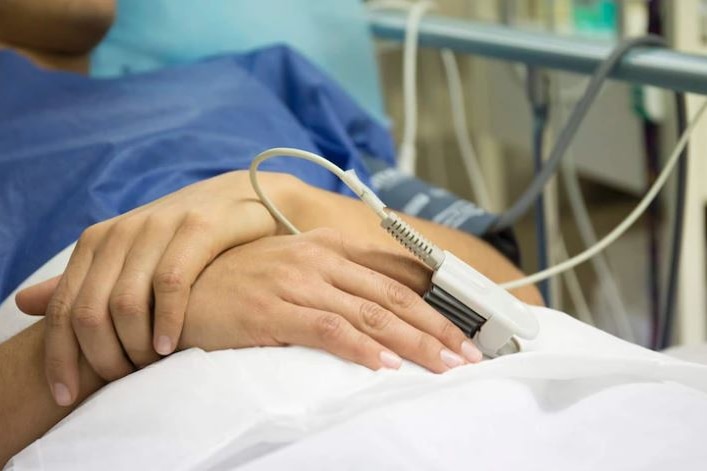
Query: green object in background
x=595 y=17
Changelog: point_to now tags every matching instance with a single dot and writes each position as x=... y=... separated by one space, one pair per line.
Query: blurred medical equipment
x=538 y=96
x=676 y=71
x=486 y=313
x=407 y=153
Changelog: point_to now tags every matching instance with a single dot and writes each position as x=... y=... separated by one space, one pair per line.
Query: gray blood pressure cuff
x=410 y=195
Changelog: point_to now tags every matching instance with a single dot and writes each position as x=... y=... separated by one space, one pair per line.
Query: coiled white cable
x=405 y=234
x=349 y=177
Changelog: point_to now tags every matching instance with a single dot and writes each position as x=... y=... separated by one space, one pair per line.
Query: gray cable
x=521 y=206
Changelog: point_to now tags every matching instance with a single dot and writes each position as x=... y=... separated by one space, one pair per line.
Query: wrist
x=288 y=193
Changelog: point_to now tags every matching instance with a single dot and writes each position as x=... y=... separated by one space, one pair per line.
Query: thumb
x=34 y=299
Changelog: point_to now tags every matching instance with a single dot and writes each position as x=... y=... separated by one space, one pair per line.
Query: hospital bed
x=574 y=398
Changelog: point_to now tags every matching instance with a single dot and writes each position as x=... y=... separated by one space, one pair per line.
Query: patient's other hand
x=137 y=269
x=316 y=289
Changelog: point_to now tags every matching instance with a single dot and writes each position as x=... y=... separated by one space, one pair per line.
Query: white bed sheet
x=577 y=398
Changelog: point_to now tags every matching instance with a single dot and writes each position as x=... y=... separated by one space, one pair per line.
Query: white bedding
x=577 y=398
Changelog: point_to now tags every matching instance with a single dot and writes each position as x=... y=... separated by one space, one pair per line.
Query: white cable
x=407 y=158
x=608 y=285
x=605 y=277
x=461 y=130
x=349 y=177
x=625 y=224
x=407 y=154
x=575 y=288
x=400 y=230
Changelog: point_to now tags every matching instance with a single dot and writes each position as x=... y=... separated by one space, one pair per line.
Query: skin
x=361 y=301
x=56 y=34
x=141 y=265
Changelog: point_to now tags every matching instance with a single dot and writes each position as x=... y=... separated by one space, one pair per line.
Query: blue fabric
x=75 y=151
x=334 y=34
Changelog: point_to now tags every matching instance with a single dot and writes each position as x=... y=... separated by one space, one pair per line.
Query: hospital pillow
x=334 y=34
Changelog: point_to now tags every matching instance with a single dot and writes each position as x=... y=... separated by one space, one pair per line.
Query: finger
x=34 y=299
x=190 y=250
x=405 y=269
x=61 y=349
x=131 y=297
x=391 y=331
x=331 y=332
x=90 y=316
x=405 y=304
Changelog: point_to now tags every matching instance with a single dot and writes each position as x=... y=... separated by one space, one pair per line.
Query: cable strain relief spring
x=412 y=240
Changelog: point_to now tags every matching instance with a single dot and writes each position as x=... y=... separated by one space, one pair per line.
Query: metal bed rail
x=658 y=67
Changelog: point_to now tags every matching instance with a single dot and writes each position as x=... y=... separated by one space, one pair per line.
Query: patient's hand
x=150 y=256
x=317 y=290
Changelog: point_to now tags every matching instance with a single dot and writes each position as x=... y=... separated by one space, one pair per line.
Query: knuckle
x=448 y=333
x=90 y=236
x=155 y=222
x=169 y=281
x=399 y=295
x=423 y=342
x=374 y=317
x=126 y=305
x=86 y=316
x=196 y=222
x=330 y=327
x=93 y=235
x=119 y=231
x=58 y=312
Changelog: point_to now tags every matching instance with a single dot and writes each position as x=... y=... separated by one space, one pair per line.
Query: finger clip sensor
x=489 y=315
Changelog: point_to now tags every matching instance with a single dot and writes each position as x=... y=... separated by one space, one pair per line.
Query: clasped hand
x=204 y=267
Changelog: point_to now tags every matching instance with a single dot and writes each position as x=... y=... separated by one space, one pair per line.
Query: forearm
x=58 y=26
x=27 y=409
x=318 y=208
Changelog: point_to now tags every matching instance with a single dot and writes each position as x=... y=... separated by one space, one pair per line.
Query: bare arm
x=27 y=409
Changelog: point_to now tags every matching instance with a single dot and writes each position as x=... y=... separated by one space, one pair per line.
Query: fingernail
x=390 y=360
x=450 y=358
x=471 y=352
x=164 y=345
x=61 y=394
